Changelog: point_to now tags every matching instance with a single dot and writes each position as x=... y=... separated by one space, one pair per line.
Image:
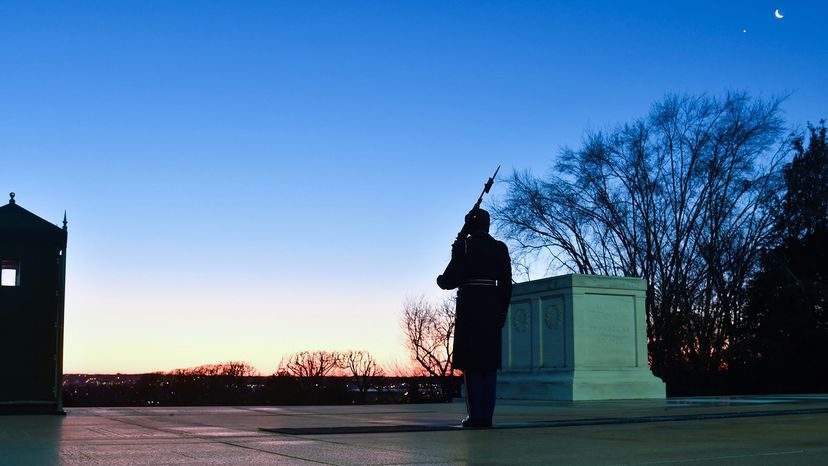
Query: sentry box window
x=9 y=273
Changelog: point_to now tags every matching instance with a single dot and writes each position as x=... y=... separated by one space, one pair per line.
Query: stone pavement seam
x=273 y=453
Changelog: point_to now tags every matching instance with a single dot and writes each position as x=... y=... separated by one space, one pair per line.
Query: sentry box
x=32 y=284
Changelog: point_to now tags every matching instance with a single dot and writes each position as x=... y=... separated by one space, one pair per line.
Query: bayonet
x=486 y=188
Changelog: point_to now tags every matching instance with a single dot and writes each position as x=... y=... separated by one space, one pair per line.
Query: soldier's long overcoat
x=481 y=309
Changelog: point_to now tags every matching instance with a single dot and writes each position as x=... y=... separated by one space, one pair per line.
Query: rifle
x=464 y=231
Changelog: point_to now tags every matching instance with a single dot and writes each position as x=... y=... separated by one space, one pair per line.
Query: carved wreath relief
x=552 y=316
x=520 y=321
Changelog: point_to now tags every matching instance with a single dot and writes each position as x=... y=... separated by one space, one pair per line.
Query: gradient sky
x=244 y=180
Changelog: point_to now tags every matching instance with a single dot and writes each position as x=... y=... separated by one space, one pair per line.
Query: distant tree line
x=307 y=377
x=722 y=211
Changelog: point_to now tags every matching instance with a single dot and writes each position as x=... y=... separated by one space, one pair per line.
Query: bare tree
x=310 y=364
x=684 y=198
x=363 y=369
x=238 y=369
x=429 y=334
x=217 y=383
x=227 y=369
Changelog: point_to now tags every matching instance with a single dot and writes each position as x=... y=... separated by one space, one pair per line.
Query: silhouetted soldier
x=481 y=268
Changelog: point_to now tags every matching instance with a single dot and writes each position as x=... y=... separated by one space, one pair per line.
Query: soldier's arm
x=453 y=274
x=504 y=281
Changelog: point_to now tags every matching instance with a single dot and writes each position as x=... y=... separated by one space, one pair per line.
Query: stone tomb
x=577 y=337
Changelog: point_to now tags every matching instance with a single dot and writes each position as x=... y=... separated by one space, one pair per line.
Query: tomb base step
x=610 y=384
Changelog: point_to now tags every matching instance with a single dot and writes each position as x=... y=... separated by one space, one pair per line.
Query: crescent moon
x=778 y=14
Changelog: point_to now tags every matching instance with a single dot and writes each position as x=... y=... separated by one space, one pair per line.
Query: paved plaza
x=764 y=430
